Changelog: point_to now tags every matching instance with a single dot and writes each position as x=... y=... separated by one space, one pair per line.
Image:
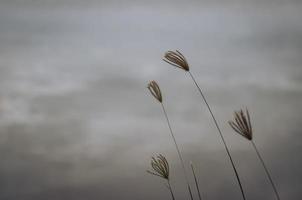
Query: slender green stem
x=222 y=138
x=171 y=191
x=178 y=151
x=196 y=182
x=266 y=170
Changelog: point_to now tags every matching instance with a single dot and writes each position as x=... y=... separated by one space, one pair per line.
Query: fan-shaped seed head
x=155 y=90
x=160 y=167
x=242 y=124
x=176 y=59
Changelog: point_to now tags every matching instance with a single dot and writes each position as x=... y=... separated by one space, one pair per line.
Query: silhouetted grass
x=176 y=59
x=160 y=168
x=195 y=180
x=156 y=92
x=242 y=125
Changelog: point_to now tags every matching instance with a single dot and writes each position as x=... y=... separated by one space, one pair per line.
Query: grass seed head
x=160 y=167
x=155 y=90
x=176 y=59
x=242 y=124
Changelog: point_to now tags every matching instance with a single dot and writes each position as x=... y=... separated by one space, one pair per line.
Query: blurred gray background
x=76 y=119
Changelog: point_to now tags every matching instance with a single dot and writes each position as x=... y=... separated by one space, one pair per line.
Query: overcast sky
x=76 y=119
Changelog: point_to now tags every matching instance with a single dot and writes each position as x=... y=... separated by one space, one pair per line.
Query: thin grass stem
x=171 y=191
x=178 y=150
x=196 y=182
x=222 y=138
x=266 y=170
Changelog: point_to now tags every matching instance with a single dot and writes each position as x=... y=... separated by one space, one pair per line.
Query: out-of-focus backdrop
x=76 y=119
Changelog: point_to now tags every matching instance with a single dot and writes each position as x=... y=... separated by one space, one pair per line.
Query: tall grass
x=242 y=125
x=156 y=92
x=176 y=59
x=160 y=168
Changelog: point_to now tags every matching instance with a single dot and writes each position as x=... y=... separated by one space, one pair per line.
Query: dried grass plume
x=242 y=124
x=160 y=167
x=155 y=90
x=176 y=59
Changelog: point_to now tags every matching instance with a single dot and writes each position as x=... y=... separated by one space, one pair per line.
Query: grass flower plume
x=242 y=124
x=155 y=91
x=160 y=167
x=176 y=59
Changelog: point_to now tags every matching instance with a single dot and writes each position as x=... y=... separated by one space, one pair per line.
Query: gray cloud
x=76 y=119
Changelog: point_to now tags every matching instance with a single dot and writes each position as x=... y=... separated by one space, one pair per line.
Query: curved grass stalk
x=221 y=136
x=160 y=168
x=177 y=60
x=242 y=125
x=178 y=151
x=266 y=171
x=196 y=182
x=156 y=92
x=171 y=191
